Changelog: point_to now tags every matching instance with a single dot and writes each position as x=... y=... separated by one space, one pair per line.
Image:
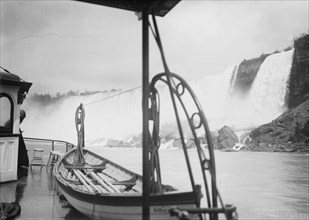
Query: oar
x=94 y=176
x=107 y=182
x=88 y=181
x=82 y=181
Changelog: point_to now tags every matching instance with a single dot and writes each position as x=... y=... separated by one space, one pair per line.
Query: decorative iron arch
x=178 y=87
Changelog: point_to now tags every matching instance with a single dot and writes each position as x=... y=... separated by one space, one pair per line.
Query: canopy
x=156 y=7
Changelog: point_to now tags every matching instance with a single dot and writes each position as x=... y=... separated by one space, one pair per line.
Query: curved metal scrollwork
x=155 y=172
x=79 y=123
x=178 y=87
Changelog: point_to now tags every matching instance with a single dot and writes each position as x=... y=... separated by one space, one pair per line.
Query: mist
x=120 y=117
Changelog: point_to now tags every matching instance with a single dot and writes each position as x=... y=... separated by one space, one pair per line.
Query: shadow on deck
x=37 y=193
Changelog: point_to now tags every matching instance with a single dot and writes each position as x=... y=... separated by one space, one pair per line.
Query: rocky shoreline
x=287 y=133
x=290 y=131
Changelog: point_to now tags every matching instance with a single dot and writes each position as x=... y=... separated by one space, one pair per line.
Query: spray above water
x=120 y=117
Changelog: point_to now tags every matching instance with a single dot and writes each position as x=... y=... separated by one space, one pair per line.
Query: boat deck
x=38 y=195
x=36 y=190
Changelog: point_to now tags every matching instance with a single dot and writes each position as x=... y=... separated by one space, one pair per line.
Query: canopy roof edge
x=156 y=7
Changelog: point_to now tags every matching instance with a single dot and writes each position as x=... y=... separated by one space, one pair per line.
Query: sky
x=67 y=45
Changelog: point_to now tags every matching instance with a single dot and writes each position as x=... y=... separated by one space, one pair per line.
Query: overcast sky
x=66 y=45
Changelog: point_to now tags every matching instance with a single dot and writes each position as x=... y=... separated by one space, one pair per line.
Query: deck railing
x=47 y=145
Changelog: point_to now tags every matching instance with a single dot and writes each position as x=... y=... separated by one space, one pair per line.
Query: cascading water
x=268 y=92
x=116 y=117
x=266 y=99
x=213 y=94
x=120 y=117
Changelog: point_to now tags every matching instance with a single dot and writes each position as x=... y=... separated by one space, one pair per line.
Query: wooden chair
x=37 y=156
x=54 y=156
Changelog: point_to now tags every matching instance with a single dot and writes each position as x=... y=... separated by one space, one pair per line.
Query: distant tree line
x=46 y=99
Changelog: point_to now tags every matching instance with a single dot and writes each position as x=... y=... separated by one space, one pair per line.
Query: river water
x=261 y=185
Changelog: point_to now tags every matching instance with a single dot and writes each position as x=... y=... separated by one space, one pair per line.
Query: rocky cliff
x=298 y=84
x=299 y=77
x=246 y=74
x=287 y=133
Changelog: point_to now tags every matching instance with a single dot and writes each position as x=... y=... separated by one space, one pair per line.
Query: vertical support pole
x=53 y=145
x=145 y=104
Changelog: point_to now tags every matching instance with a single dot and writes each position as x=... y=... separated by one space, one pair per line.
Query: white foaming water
x=213 y=94
x=268 y=92
x=266 y=99
x=121 y=117
x=116 y=117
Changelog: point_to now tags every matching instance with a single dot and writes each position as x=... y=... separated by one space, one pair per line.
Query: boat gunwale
x=115 y=198
x=102 y=158
x=129 y=199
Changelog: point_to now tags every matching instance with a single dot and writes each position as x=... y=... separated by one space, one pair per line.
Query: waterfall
x=117 y=117
x=266 y=98
x=120 y=117
x=268 y=93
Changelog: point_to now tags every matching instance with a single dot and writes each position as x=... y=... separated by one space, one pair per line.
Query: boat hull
x=126 y=205
x=124 y=209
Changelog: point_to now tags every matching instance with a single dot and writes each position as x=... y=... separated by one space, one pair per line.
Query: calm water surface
x=261 y=185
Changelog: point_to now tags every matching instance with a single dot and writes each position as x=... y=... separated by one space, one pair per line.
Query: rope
x=109 y=97
x=170 y=81
x=156 y=35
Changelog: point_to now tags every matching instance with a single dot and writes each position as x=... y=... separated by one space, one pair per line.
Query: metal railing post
x=145 y=104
